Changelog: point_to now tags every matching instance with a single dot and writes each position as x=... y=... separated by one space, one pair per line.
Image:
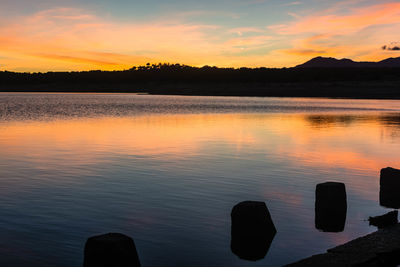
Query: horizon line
x=149 y=64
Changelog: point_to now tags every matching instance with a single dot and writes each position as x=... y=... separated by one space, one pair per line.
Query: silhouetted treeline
x=182 y=79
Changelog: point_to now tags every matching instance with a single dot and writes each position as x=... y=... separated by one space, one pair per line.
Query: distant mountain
x=329 y=62
x=390 y=62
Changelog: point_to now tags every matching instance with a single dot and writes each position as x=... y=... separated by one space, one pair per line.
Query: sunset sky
x=56 y=35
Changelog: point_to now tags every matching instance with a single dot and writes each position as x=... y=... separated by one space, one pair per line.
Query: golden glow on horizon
x=75 y=39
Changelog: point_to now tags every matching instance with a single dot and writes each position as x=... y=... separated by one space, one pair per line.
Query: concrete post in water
x=389 y=195
x=252 y=230
x=330 y=207
x=110 y=250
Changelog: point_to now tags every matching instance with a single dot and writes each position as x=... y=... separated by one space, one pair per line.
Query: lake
x=167 y=171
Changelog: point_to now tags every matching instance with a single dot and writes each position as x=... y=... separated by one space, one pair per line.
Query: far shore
x=359 y=83
x=345 y=90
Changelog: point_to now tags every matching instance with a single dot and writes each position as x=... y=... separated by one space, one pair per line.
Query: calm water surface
x=167 y=171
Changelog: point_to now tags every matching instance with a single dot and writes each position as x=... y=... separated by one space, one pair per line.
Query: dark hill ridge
x=320 y=77
x=329 y=62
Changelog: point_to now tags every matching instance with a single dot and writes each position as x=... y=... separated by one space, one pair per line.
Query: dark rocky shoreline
x=381 y=248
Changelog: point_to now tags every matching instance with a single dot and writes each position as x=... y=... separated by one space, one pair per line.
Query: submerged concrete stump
x=330 y=207
x=252 y=230
x=110 y=250
x=390 y=218
x=389 y=195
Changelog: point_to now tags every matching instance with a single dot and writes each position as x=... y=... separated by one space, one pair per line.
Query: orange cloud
x=71 y=39
x=74 y=39
x=317 y=45
x=69 y=35
x=358 y=19
x=358 y=34
x=74 y=59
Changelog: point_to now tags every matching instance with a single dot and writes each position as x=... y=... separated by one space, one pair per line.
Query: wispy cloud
x=77 y=39
x=243 y=30
x=354 y=33
x=356 y=20
x=294 y=3
x=67 y=38
x=70 y=35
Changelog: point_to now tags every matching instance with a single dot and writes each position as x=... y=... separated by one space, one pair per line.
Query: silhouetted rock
x=389 y=195
x=386 y=220
x=110 y=250
x=330 y=207
x=252 y=230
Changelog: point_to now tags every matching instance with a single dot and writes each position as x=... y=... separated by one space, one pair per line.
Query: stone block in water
x=390 y=218
x=110 y=250
x=252 y=230
x=389 y=195
x=330 y=207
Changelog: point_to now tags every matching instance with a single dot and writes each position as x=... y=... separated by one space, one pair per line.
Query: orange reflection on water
x=367 y=144
x=176 y=136
x=362 y=143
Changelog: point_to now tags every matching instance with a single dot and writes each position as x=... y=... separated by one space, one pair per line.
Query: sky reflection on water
x=171 y=180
